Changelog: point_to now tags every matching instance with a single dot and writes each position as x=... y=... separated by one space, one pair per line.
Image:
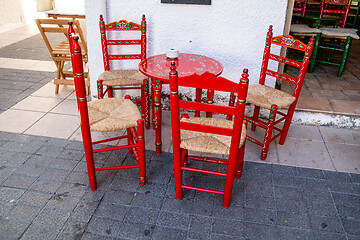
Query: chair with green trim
x=334 y=47
x=354 y=15
x=265 y=97
x=113 y=49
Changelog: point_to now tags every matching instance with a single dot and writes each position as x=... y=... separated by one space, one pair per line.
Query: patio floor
x=308 y=188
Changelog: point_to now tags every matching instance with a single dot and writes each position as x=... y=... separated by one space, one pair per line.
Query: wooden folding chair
x=60 y=54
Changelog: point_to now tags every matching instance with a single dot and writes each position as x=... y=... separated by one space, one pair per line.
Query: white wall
x=230 y=31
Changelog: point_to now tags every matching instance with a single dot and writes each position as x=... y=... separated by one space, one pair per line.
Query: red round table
x=158 y=67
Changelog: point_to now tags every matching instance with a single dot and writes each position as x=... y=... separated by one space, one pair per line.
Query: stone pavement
x=308 y=188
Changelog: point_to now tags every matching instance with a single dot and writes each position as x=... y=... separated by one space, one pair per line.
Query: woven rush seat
x=122 y=77
x=207 y=142
x=302 y=28
x=112 y=114
x=264 y=96
x=339 y=32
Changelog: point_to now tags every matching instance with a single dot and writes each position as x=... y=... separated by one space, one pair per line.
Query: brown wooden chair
x=60 y=52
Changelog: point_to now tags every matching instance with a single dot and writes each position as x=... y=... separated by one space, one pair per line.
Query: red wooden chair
x=299 y=7
x=272 y=99
x=104 y=115
x=207 y=134
x=335 y=9
x=124 y=79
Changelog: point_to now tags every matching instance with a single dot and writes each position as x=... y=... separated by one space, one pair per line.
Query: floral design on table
x=190 y=63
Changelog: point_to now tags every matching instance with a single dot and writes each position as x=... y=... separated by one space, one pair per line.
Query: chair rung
x=331 y=63
x=203 y=189
x=116 y=167
x=330 y=48
x=114 y=148
x=210 y=160
x=253 y=140
x=203 y=171
x=109 y=139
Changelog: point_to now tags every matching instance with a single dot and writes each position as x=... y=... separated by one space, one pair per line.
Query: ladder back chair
x=262 y=96
x=299 y=7
x=60 y=53
x=207 y=134
x=124 y=79
x=105 y=115
x=335 y=9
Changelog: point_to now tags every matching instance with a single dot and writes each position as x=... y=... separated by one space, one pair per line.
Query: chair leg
x=145 y=103
x=158 y=115
x=184 y=157
x=152 y=103
x=141 y=152
x=100 y=89
x=240 y=161
x=268 y=132
x=129 y=140
x=110 y=92
x=344 y=56
x=255 y=117
x=315 y=53
x=229 y=181
x=58 y=75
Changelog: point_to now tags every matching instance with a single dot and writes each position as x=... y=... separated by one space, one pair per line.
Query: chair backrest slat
x=122 y=25
x=289 y=42
x=60 y=26
x=124 y=57
x=207 y=107
x=208 y=80
x=206 y=129
x=281 y=76
x=285 y=60
x=123 y=42
x=335 y=9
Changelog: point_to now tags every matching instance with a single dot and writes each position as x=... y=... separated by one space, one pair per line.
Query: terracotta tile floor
x=324 y=92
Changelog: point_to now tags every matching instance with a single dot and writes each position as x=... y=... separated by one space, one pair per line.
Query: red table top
x=158 y=66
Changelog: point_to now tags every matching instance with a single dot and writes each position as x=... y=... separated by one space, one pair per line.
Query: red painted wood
x=205 y=106
x=141 y=146
x=79 y=80
x=198 y=95
x=123 y=42
x=203 y=171
x=211 y=83
x=335 y=9
x=108 y=140
x=125 y=57
x=138 y=149
x=285 y=60
x=265 y=60
x=205 y=128
x=175 y=129
x=157 y=67
x=203 y=190
x=289 y=41
x=281 y=76
x=269 y=126
x=123 y=25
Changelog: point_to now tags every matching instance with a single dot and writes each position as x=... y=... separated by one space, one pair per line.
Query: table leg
x=198 y=99
x=157 y=115
x=152 y=103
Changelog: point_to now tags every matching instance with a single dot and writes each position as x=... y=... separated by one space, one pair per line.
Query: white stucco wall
x=230 y=31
